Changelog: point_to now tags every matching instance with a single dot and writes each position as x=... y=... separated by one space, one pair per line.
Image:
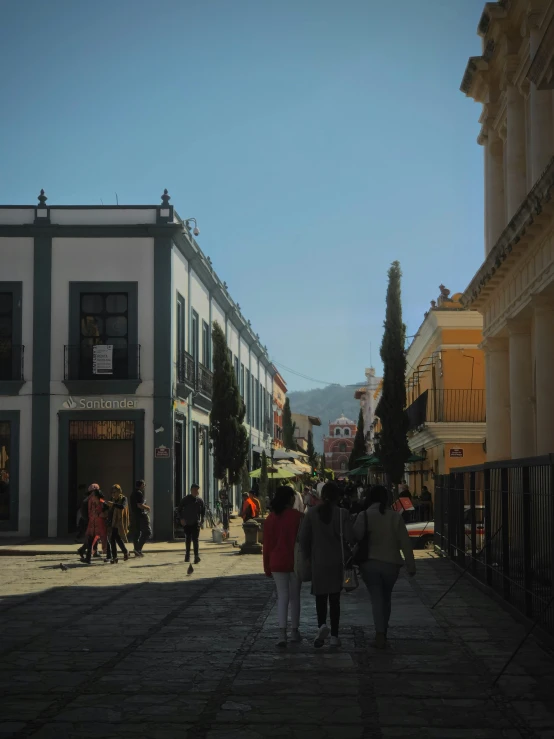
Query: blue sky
x=315 y=141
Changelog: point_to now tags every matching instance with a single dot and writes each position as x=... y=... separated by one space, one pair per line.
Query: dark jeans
x=225 y=517
x=116 y=539
x=380 y=578
x=81 y=529
x=334 y=611
x=191 y=535
x=91 y=546
x=141 y=532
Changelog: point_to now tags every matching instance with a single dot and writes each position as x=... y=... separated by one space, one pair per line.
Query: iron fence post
x=488 y=533
x=505 y=503
x=527 y=564
x=473 y=520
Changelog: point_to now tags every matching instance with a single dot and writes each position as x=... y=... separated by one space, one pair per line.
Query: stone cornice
x=474 y=79
x=541 y=69
x=456 y=433
x=515 y=235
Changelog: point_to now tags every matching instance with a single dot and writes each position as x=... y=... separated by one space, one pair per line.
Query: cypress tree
x=322 y=465
x=227 y=431
x=393 y=450
x=288 y=427
x=264 y=481
x=312 y=456
x=246 y=482
x=358 y=450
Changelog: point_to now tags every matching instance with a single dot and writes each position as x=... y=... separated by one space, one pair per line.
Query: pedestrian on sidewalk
x=118 y=523
x=191 y=515
x=97 y=528
x=82 y=513
x=250 y=506
x=388 y=536
x=139 y=518
x=280 y=535
x=321 y=542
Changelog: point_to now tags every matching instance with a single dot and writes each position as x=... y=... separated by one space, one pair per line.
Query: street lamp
x=196 y=230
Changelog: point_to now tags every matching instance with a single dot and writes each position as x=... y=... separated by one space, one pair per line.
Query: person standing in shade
x=280 y=533
x=321 y=542
x=250 y=506
x=97 y=528
x=388 y=536
x=191 y=514
x=225 y=509
x=140 y=519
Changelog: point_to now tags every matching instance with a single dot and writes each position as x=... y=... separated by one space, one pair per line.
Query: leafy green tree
x=322 y=465
x=227 y=430
x=393 y=450
x=246 y=482
x=288 y=427
x=264 y=482
x=312 y=456
x=358 y=450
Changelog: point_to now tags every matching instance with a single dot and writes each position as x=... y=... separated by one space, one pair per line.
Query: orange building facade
x=279 y=397
x=445 y=389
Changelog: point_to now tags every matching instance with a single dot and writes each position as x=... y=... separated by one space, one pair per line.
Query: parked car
x=422 y=534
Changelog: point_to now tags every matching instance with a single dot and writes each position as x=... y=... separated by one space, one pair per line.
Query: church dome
x=343 y=421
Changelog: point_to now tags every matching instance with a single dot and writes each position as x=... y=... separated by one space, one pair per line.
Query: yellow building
x=513 y=289
x=445 y=388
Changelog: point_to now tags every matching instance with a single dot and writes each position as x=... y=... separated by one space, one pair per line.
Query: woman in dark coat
x=321 y=543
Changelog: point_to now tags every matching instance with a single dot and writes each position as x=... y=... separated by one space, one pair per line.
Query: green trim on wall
x=13 y=418
x=11 y=387
x=164 y=298
x=42 y=342
x=64 y=417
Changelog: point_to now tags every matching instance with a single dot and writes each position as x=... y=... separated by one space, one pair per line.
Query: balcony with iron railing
x=205 y=381
x=11 y=367
x=447 y=406
x=119 y=372
x=186 y=373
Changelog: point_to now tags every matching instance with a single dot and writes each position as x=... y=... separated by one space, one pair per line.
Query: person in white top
x=298 y=504
x=319 y=486
x=388 y=536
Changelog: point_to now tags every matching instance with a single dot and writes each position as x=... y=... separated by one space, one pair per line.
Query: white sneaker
x=335 y=641
x=322 y=634
x=295 y=636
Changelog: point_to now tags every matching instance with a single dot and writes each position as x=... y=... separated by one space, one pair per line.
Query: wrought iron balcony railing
x=11 y=361
x=122 y=362
x=186 y=370
x=205 y=381
x=447 y=406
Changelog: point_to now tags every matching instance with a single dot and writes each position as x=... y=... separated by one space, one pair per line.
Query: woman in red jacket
x=280 y=532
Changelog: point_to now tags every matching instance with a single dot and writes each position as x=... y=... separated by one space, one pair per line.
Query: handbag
x=349 y=575
x=360 y=553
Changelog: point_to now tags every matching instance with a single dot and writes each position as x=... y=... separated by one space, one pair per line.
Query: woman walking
x=388 y=536
x=118 y=521
x=280 y=534
x=324 y=530
x=97 y=523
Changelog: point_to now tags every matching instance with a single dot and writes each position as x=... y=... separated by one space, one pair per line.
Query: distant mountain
x=327 y=404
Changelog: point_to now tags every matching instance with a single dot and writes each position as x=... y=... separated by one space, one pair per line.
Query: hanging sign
x=162 y=452
x=456 y=452
x=102 y=359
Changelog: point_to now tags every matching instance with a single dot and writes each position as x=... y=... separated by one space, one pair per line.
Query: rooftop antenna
x=116 y=199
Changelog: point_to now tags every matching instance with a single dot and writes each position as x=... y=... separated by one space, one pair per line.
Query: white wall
x=16 y=265
x=233 y=340
x=17 y=216
x=102 y=216
x=200 y=302
x=218 y=314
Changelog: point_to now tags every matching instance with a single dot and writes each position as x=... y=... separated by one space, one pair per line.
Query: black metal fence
x=498 y=520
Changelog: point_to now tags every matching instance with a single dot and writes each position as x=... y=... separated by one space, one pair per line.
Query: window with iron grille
x=104 y=322
x=6 y=335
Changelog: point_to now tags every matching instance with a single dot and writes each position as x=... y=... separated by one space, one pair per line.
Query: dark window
x=236 y=366
x=337 y=432
x=342 y=447
x=181 y=322
x=256 y=395
x=242 y=381
x=248 y=399
x=206 y=354
x=230 y=354
x=195 y=452
x=6 y=335
x=347 y=432
x=194 y=348
x=104 y=322
x=5 y=467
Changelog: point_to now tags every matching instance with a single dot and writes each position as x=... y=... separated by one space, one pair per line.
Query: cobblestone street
x=142 y=650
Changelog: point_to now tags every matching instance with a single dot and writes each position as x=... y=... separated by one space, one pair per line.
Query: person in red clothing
x=280 y=533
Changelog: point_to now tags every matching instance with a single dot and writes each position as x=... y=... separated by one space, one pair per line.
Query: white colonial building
x=513 y=79
x=369 y=395
x=106 y=359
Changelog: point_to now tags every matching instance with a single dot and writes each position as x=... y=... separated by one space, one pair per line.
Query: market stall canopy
x=299 y=468
x=415 y=458
x=274 y=473
x=358 y=472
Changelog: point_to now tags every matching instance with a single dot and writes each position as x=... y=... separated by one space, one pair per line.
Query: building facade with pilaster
x=513 y=289
x=106 y=361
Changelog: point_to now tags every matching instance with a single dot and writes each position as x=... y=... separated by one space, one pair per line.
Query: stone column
x=495 y=211
x=521 y=390
x=516 y=165
x=498 y=399
x=541 y=113
x=544 y=369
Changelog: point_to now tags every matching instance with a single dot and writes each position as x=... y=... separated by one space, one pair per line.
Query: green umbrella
x=415 y=458
x=358 y=472
x=277 y=474
x=365 y=458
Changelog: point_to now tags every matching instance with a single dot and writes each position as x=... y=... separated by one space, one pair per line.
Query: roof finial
x=42 y=199
x=165 y=199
